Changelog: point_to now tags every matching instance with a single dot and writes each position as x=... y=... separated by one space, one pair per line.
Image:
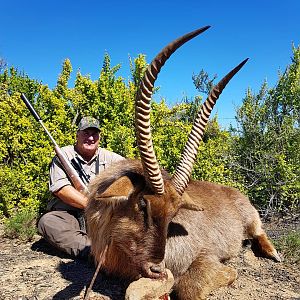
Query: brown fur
x=191 y=234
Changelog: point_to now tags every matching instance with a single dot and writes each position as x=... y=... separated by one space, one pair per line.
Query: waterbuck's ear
x=188 y=203
x=119 y=190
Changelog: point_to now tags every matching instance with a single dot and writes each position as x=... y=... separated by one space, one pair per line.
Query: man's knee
x=42 y=225
x=62 y=231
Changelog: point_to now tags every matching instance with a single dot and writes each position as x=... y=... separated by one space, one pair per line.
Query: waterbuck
x=142 y=220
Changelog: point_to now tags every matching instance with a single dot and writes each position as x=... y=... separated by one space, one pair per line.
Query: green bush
x=267 y=147
x=21 y=225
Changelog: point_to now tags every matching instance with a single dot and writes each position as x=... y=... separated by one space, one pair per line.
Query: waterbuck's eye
x=143 y=204
x=145 y=207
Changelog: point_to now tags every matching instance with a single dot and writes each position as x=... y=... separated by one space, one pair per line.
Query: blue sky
x=36 y=36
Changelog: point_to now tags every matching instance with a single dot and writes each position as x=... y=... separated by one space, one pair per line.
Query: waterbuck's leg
x=204 y=275
x=261 y=245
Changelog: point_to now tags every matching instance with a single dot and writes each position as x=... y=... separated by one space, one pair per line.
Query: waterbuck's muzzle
x=154 y=270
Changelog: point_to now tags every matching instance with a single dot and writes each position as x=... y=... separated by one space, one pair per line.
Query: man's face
x=87 y=142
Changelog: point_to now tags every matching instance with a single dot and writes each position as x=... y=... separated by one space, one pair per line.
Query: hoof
x=275 y=256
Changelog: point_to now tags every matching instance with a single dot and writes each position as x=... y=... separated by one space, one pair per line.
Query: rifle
x=69 y=169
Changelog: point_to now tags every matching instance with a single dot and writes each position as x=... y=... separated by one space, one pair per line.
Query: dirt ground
x=35 y=271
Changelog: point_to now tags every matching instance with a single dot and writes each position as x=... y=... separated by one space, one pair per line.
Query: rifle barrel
x=37 y=117
x=30 y=107
x=71 y=172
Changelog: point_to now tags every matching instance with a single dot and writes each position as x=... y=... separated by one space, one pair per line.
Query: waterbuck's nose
x=157 y=268
x=154 y=270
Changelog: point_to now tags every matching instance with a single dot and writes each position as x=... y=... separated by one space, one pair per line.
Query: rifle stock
x=69 y=169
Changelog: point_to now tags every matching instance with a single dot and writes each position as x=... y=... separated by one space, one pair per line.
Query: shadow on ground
x=43 y=246
x=79 y=273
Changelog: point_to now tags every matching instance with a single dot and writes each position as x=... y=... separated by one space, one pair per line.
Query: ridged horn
x=142 y=110
x=183 y=171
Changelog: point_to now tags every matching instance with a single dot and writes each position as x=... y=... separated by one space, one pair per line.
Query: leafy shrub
x=267 y=147
x=21 y=225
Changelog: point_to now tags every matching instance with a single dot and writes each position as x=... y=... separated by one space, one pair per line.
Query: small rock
x=150 y=289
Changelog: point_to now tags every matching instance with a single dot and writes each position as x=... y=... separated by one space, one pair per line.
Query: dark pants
x=62 y=230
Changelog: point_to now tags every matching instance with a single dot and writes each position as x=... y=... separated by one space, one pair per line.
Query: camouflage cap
x=88 y=122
